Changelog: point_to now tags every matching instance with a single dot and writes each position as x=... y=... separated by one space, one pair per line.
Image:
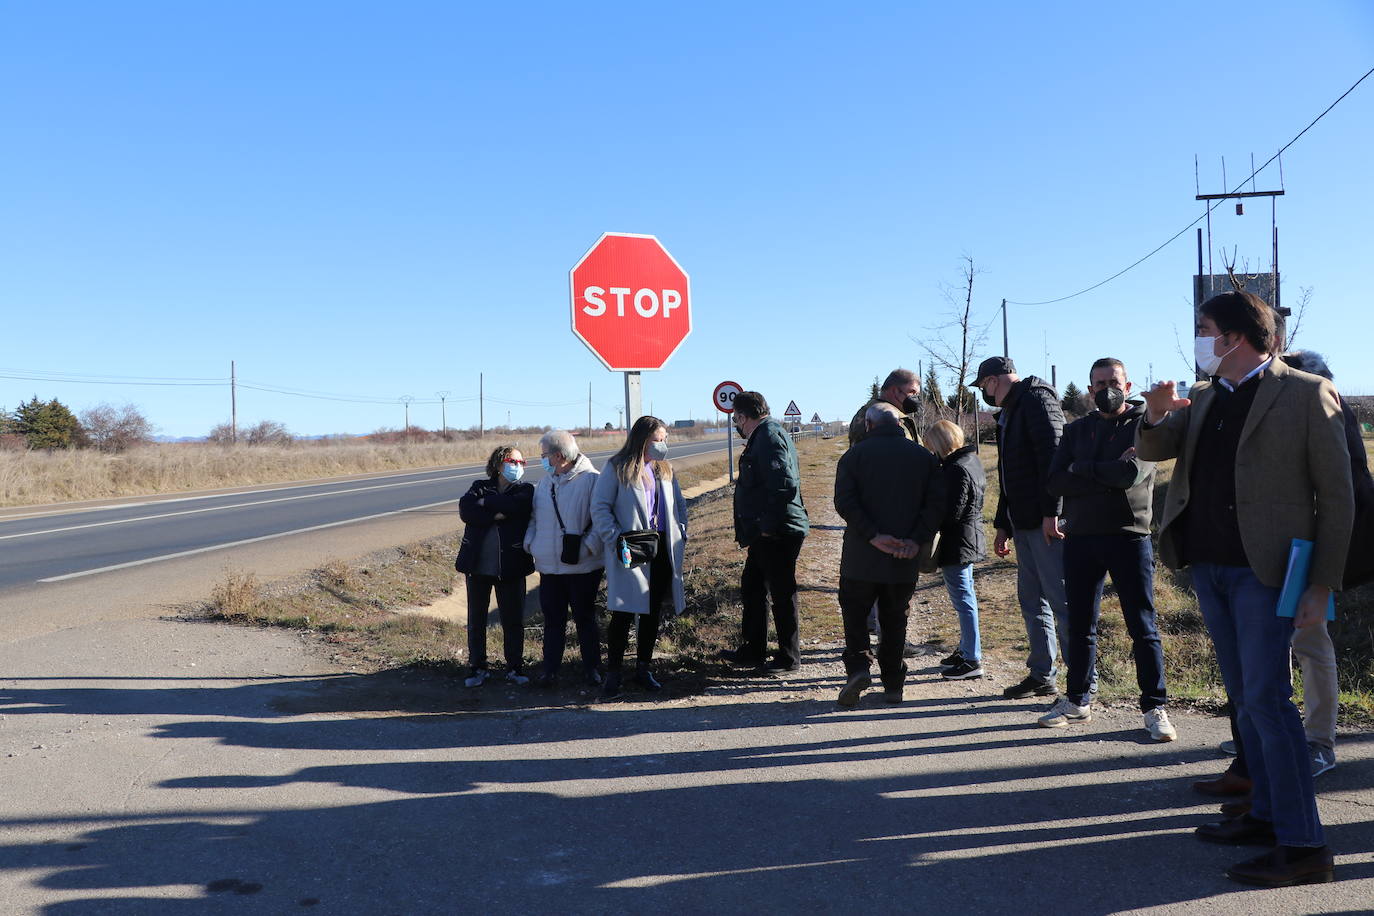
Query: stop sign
x=630 y=302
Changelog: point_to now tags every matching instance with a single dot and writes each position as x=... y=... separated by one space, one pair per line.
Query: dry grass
x=37 y=477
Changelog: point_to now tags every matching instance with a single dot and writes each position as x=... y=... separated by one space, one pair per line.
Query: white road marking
x=265 y=537
x=257 y=502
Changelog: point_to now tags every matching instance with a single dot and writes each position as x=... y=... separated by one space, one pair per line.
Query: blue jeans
x=1253 y=645
x=1088 y=559
x=959 y=584
x=1040 y=590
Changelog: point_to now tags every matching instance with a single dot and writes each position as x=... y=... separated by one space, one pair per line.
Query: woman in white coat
x=567 y=552
x=635 y=492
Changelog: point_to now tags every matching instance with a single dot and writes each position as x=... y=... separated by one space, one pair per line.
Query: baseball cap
x=993 y=365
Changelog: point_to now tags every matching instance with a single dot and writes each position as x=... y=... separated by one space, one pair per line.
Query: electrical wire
x=1211 y=206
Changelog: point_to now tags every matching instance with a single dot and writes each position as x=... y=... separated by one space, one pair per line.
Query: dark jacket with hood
x=516 y=504
x=962 y=539
x=886 y=484
x=1103 y=494
x=1028 y=430
x=768 y=498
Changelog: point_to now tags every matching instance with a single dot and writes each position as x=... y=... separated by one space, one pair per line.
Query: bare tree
x=113 y=429
x=268 y=432
x=1304 y=300
x=953 y=358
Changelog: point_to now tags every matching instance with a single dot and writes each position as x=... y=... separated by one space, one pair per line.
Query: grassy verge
x=352 y=605
x=39 y=477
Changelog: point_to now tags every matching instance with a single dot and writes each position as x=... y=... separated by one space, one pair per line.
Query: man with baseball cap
x=1029 y=426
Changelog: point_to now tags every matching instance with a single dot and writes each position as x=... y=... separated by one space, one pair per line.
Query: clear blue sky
x=374 y=200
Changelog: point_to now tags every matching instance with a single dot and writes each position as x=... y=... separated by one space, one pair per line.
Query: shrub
x=115 y=430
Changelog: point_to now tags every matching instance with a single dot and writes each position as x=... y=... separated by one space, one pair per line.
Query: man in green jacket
x=771 y=523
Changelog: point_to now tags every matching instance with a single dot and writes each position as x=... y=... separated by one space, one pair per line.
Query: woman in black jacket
x=962 y=541
x=495 y=513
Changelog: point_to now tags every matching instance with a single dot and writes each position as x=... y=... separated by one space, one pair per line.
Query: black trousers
x=770 y=568
x=857 y=598
x=510 y=600
x=559 y=593
x=618 y=630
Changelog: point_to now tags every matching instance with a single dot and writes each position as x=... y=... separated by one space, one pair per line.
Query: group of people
x=627 y=521
x=1265 y=452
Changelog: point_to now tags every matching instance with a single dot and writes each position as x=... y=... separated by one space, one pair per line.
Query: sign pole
x=730 y=446
x=633 y=400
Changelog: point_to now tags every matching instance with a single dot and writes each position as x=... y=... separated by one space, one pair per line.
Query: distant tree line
x=49 y=425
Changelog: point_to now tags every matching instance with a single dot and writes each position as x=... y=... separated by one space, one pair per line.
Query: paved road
x=162 y=767
x=62 y=546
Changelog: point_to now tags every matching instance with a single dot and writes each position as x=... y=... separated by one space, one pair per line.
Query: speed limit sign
x=724 y=396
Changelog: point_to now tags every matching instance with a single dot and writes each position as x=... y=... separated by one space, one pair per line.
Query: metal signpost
x=724 y=399
x=793 y=416
x=631 y=306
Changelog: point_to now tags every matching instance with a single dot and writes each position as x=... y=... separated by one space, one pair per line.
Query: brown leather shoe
x=1274 y=869
x=1227 y=785
x=1235 y=808
x=1238 y=831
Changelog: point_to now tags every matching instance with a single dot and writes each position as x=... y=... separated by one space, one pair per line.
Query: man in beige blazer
x=1262 y=460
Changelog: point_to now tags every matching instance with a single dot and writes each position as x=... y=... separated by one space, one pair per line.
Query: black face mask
x=1109 y=400
x=910 y=404
x=988 y=399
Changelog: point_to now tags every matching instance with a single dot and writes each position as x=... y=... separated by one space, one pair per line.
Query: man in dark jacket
x=771 y=523
x=889 y=492
x=1028 y=429
x=901 y=389
x=1107 y=493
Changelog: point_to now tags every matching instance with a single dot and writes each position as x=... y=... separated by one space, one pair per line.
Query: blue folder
x=1295 y=581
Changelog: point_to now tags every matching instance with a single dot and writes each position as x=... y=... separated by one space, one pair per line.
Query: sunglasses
x=514 y=461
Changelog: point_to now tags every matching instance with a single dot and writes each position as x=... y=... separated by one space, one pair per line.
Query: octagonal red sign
x=631 y=304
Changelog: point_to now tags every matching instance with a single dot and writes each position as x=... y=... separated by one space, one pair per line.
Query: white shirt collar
x=1249 y=375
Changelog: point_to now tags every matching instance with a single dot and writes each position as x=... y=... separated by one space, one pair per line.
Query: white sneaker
x=1063 y=712
x=478 y=678
x=515 y=677
x=1158 y=725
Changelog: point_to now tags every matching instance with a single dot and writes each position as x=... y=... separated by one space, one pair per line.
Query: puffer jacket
x=1028 y=431
x=962 y=539
x=514 y=504
x=544 y=537
x=1103 y=493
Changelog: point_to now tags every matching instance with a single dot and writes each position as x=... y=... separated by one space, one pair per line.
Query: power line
x=1210 y=206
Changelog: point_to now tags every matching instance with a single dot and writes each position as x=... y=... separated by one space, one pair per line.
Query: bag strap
x=553 y=492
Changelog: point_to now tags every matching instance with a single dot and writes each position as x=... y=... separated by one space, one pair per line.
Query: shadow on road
x=757 y=806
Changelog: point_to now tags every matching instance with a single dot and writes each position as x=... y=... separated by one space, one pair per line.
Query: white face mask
x=1204 y=353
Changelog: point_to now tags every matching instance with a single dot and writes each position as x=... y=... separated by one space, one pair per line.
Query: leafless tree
x=1304 y=300
x=112 y=429
x=940 y=345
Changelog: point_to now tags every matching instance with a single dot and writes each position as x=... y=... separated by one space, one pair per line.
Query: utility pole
x=233 y=405
x=1006 y=348
x=481 y=409
x=406 y=399
x=589 y=408
x=443 y=414
x=620 y=417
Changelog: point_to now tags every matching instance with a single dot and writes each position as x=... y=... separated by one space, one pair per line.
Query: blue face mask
x=548 y=465
x=512 y=472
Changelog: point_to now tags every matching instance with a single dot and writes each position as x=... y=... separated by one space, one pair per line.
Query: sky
x=362 y=202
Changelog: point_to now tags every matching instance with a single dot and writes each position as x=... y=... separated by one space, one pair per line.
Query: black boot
x=645 y=678
x=611 y=688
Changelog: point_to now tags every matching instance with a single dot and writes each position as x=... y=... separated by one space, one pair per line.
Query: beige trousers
x=1317 y=656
